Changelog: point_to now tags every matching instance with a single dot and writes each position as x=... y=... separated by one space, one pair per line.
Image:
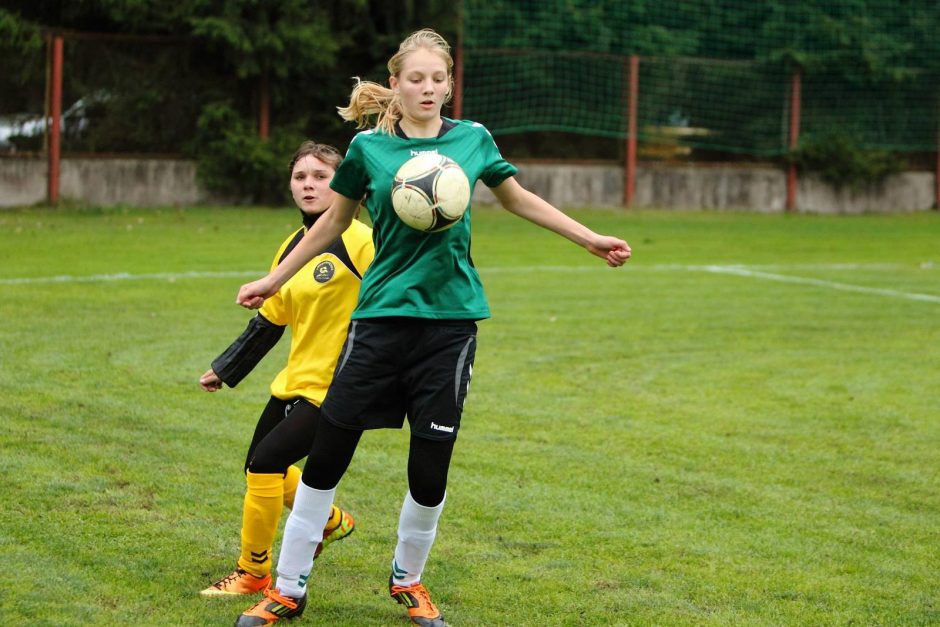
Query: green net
x=714 y=75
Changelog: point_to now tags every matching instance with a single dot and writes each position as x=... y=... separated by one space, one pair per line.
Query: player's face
x=422 y=85
x=310 y=184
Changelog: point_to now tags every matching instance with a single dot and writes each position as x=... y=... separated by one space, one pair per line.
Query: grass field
x=740 y=428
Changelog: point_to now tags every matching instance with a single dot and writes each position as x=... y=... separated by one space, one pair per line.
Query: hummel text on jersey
x=415 y=153
x=438 y=427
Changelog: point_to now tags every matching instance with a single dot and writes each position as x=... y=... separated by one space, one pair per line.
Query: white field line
x=833 y=285
x=753 y=272
x=126 y=276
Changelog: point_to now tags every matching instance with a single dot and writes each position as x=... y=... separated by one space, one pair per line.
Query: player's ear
x=393 y=83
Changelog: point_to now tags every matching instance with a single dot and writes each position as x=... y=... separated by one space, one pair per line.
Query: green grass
x=665 y=444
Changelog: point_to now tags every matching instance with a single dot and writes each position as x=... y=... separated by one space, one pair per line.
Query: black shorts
x=393 y=367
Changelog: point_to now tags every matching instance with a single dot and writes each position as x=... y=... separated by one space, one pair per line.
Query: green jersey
x=417 y=274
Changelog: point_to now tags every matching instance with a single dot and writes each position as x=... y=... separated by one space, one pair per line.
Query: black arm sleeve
x=244 y=354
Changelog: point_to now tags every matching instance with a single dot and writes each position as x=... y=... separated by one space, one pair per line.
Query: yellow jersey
x=316 y=303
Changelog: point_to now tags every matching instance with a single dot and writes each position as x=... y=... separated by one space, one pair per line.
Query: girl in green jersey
x=412 y=339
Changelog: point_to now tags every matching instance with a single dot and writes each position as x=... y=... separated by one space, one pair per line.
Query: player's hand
x=252 y=295
x=614 y=251
x=210 y=381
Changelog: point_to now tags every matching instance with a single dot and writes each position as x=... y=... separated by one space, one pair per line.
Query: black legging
x=283 y=435
x=333 y=449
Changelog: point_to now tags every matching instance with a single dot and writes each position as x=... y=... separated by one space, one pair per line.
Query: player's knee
x=261 y=464
x=320 y=474
x=428 y=491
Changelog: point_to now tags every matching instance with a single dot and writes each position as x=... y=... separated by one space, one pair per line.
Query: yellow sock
x=260 y=516
x=291 y=478
x=336 y=516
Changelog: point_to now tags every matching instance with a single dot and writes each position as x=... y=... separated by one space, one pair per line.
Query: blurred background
x=846 y=90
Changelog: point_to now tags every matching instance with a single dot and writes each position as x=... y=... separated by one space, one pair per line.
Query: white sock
x=417 y=527
x=303 y=531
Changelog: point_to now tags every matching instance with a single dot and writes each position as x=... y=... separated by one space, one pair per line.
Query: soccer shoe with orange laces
x=238 y=582
x=272 y=607
x=418 y=601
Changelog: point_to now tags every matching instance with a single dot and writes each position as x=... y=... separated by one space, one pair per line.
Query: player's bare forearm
x=525 y=204
x=324 y=232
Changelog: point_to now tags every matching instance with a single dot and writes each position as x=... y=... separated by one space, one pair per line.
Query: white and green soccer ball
x=430 y=193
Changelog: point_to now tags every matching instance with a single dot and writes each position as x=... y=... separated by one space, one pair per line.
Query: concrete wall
x=734 y=187
x=136 y=182
x=908 y=191
x=22 y=182
x=668 y=187
x=158 y=182
x=760 y=189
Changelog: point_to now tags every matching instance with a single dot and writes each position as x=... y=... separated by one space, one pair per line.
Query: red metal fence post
x=796 y=100
x=55 y=109
x=629 y=173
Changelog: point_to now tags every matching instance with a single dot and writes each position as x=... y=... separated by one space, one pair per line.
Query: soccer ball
x=430 y=192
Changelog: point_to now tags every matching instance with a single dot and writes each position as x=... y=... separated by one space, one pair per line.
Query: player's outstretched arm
x=324 y=232
x=520 y=201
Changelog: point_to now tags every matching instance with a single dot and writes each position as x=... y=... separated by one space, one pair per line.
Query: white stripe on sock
x=303 y=531
x=417 y=528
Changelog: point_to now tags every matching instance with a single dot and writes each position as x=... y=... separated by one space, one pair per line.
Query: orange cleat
x=238 y=582
x=417 y=599
x=272 y=607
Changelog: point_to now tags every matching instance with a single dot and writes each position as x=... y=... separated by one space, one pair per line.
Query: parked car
x=25 y=131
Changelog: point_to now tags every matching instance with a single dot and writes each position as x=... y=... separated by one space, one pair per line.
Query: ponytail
x=368 y=99
x=371 y=99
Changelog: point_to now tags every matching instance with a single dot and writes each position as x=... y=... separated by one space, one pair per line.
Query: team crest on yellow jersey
x=323 y=272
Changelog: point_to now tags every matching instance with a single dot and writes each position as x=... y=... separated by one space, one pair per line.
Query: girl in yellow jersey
x=316 y=304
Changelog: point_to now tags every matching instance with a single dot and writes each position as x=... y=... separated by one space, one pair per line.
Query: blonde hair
x=368 y=99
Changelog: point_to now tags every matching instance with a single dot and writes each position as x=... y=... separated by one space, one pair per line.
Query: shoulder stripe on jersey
x=294 y=241
x=337 y=248
x=446 y=125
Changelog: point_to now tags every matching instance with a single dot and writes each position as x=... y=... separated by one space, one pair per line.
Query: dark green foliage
x=548 y=76
x=149 y=95
x=718 y=70
x=875 y=36
x=23 y=62
x=843 y=161
x=235 y=162
x=285 y=39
